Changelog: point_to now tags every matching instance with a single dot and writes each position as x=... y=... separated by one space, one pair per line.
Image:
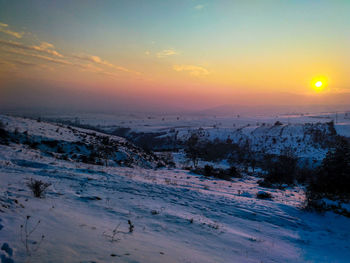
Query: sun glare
x=318 y=84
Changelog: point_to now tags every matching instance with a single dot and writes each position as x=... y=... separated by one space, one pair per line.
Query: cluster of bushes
x=225 y=174
x=332 y=178
x=165 y=159
x=280 y=169
x=324 y=138
x=331 y=181
x=213 y=151
x=218 y=150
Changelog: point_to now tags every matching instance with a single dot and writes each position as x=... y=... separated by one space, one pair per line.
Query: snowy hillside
x=305 y=140
x=65 y=142
x=307 y=135
x=97 y=213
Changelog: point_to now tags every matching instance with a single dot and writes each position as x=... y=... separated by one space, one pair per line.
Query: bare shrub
x=113 y=236
x=224 y=174
x=131 y=226
x=38 y=187
x=30 y=246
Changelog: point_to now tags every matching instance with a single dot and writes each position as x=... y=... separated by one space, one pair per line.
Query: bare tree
x=192 y=149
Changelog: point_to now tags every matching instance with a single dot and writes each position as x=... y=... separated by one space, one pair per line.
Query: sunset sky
x=178 y=53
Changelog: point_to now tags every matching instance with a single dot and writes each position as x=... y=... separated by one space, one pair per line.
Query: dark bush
x=278 y=123
x=3 y=134
x=333 y=176
x=263 y=195
x=160 y=165
x=280 y=170
x=304 y=174
x=217 y=150
x=38 y=187
x=208 y=170
x=233 y=172
x=224 y=174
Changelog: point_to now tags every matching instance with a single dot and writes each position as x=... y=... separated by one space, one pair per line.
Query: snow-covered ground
x=177 y=216
x=156 y=122
x=301 y=133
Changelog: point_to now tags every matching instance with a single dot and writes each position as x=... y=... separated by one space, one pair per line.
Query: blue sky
x=212 y=48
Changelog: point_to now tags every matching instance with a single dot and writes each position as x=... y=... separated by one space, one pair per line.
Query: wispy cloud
x=192 y=69
x=4 y=29
x=166 y=53
x=22 y=50
x=91 y=58
x=38 y=56
x=24 y=54
x=47 y=48
x=44 y=47
x=85 y=67
x=98 y=60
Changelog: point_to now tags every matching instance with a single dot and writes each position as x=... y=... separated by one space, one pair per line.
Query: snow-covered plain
x=177 y=216
x=156 y=122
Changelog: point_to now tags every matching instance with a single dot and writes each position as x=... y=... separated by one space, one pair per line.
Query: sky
x=191 y=54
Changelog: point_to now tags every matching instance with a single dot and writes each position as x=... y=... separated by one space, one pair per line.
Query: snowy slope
x=178 y=216
x=343 y=129
x=308 y=135
x=305 y=140
x=65 y=142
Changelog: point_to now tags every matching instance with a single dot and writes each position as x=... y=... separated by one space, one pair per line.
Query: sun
x=318 y=84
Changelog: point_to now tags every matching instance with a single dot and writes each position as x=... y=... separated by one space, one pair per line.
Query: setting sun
x=319 y=84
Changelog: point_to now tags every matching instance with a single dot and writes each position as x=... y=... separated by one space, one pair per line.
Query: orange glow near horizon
x=218 y=54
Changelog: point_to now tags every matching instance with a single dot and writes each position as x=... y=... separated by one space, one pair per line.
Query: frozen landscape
x=138 y=206
x=188 y=131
